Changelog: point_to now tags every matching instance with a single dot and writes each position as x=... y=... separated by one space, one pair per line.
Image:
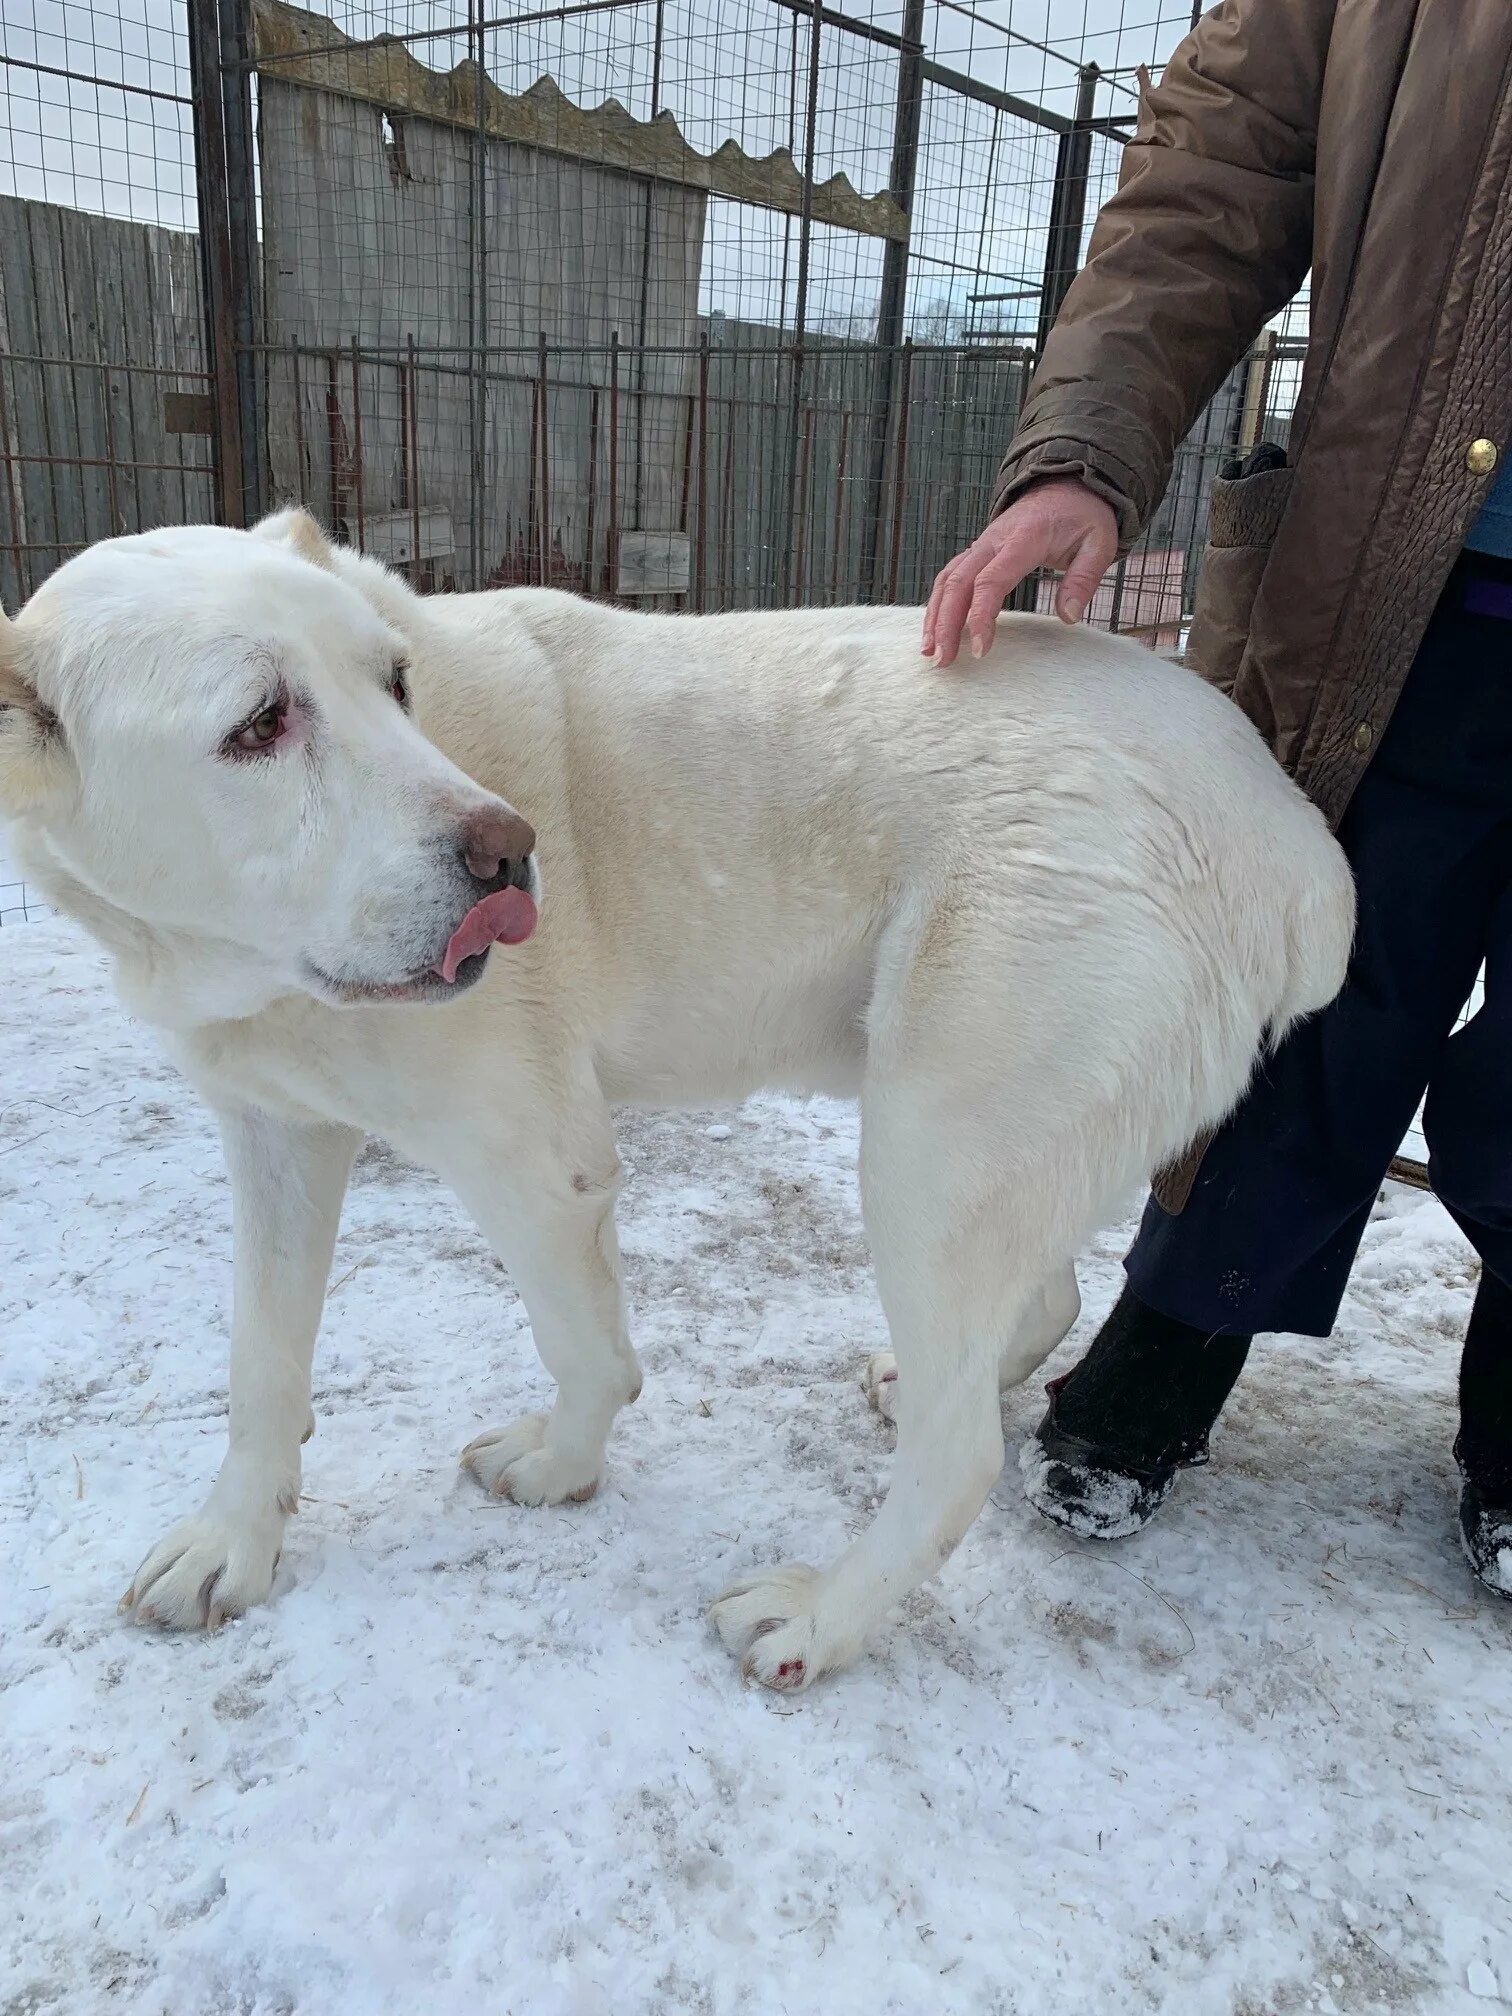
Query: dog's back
x=765 y=793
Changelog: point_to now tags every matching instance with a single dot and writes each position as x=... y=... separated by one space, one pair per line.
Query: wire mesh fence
x=719 y=302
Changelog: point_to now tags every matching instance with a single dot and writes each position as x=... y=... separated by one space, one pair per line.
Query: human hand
x=1059 y=523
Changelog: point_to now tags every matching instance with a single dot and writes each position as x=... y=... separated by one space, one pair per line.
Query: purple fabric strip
x=1489 y=598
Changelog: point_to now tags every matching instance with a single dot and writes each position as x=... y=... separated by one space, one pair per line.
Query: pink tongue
x=507 y=917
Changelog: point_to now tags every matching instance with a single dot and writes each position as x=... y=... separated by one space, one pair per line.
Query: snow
x=472 y=1757
x=18 y=904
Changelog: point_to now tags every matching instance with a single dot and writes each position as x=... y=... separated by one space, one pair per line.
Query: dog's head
x=207 y=747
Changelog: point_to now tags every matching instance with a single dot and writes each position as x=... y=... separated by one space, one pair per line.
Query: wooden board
x=100 y=327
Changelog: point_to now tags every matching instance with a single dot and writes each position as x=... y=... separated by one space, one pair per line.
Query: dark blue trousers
x=1270 y=1232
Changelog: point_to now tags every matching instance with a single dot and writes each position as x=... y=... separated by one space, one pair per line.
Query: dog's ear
x=33 y=760
x=296 y=528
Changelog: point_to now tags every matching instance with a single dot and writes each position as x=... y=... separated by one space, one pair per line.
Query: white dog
x=1039 y=917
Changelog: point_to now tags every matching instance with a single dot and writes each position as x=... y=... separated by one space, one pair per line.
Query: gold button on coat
x=1364 y=735
x=1480 y=457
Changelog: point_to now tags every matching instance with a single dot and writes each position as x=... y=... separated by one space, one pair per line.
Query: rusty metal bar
x=393 y=353
x=727 y=517
x=357 y=448
x=800 y=297
x=892 y=300
x=810 y=148
x=300 y=453
x=335 y=447
x=839 y=535
x=1068 y=204
x=543 y=496
x=701 y=524
x=121 y=370
x=734 y=402
x=531 y=530
x=643 y=309
x=45 y=412
x=477 y=236
x=685 y=486
x=1120 y=574
x=591 y=527
x=805 y=458
x=106 y=461
x=412 y=464
x=98 y=83
x=965 y=86
x=236 y=40
x=111 y=472
x=492 y=23
x=614 y=430
x=960 y=82
x=215 y=253
x=900 y=470
x=18 y=508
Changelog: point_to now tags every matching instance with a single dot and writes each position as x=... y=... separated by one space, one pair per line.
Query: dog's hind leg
x=287 y=1183
x=949 y=1278
x=980 y=1173
x=553 y=1226
x=1047 y=1322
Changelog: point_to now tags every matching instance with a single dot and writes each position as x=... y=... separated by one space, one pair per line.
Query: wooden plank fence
x=101 y=367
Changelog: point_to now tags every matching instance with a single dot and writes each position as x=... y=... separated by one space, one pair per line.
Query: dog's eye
x=259 y=735
x=399 y=687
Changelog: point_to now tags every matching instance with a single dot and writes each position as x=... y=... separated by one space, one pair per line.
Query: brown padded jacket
x=1370 y=142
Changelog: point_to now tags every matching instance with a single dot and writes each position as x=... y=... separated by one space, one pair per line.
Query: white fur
x=1039 y=915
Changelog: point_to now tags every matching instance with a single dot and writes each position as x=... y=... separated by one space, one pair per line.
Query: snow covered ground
x=479 y=1758
x=18 y=904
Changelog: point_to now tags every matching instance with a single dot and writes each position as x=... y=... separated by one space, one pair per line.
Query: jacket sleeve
x=1209 y=234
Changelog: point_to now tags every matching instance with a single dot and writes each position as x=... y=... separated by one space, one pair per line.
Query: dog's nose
x=495 y=844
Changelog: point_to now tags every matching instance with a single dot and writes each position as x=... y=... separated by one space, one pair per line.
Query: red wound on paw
x=790 y=1673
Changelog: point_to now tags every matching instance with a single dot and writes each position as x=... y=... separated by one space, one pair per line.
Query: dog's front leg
x=287 y=1183
x=553 y=1226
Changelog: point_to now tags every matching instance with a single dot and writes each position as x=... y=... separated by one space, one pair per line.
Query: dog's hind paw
x=205 y=1570
x=879 y=1382
x=520 y=1463
x=775 y=1624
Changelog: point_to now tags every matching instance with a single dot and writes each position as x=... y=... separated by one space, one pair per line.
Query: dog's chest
x=292 y=1063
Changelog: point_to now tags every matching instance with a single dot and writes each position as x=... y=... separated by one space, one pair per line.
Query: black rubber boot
x=1483 y=1449
x=1137 y=1410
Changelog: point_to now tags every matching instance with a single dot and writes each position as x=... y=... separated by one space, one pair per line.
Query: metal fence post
x=1068 y=204
x=215 y=254
x=1068 y=215
x=643 y=309
x=891 y=301
x=792 y=533
x=477 y=300
x=236 y=51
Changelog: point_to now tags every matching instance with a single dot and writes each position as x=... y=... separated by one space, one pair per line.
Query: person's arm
x=1209 y=234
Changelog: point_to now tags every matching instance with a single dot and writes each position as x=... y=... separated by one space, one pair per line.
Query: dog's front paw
x=778 y=1627
x=879 y=1382
x=207 y=1569
x=521 y=1463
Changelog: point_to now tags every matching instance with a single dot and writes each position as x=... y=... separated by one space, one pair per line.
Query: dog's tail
x=1320 y=924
